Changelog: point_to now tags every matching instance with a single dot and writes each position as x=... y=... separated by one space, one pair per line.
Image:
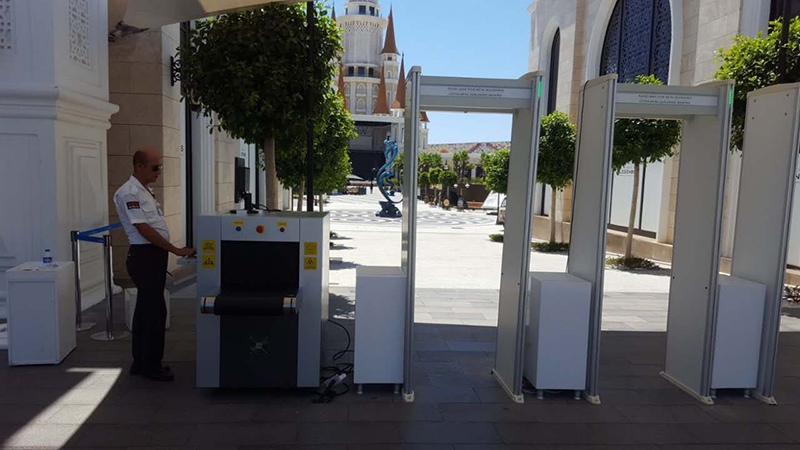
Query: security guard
x=143 y=221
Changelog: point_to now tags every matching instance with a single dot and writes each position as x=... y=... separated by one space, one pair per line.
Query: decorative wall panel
x=79 y=28
x=6 y=25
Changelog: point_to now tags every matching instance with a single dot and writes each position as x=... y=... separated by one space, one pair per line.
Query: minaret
x=390 y=60
x=382 y=107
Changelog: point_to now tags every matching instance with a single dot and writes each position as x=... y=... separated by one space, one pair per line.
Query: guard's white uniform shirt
x=137 y=204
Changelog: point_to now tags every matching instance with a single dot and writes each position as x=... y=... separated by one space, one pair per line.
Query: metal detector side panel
x=771 y=143
x=516 y=244
x=695 y=261
x=408 y=249
x=590 y=204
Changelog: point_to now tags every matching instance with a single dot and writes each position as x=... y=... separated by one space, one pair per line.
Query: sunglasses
x=158 y=168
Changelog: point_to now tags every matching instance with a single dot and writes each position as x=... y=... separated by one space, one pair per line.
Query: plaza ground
x=89 y=401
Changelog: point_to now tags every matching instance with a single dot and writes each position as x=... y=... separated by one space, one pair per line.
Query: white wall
x=54 y=114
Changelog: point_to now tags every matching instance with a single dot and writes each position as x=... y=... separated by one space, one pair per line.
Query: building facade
x=372 y=80
x=574 y=41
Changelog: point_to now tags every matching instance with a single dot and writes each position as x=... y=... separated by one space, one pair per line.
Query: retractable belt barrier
x=89 y=236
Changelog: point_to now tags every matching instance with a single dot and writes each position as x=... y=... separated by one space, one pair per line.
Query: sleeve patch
x=132 y=205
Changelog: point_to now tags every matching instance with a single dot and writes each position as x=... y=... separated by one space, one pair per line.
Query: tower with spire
x=372 y=81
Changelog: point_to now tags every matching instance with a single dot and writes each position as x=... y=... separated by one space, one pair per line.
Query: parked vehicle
x=501 y=214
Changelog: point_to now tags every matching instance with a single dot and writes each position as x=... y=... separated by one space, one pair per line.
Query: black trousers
x=147 y=266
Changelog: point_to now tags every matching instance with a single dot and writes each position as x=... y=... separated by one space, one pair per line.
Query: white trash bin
x=130 y=306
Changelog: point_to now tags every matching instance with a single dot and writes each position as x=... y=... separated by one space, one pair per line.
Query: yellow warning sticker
x=238 y=223
x=310 y=249
x=209 y=246
x=209 y=261
x=310 y=263
x=283 y=224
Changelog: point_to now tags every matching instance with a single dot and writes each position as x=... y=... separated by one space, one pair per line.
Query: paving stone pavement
x=458 y=268
x=89 y=401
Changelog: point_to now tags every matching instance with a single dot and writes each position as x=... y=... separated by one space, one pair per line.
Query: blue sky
x=463 y=38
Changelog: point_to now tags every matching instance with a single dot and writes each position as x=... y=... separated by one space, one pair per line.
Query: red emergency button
x=259 y=229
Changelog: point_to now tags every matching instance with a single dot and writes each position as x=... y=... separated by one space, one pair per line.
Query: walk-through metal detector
x=771 y=143
x=706 y=114
x=522 y=99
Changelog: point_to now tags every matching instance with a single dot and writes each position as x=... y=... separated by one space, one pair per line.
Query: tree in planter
x=753 y=63
x=428 y=161
x=424 y=182
x=435 y=176
x=495 y=170
x=642 y=141
x=447 y=179
x=252 y=69
x=463 y=169
x=333 y=130
x=556 y=158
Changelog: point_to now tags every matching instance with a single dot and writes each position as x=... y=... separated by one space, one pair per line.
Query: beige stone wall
x=149 y=116
x=718 y=24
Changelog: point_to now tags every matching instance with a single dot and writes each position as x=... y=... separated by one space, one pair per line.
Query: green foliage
x=631 y=263
x=252 y=69
x=550 y=247
x=435 y=175
x=753 y=63
x=496 y=237
x=495 y=169
x=448 y=178
x=642 y=141
x=397 y=165
x=428 y=161
x=333 y=130
x=556 y=150
x=461 y=166
x=424 y=180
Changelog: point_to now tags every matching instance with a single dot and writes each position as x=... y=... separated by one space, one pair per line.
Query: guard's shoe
x=159 y=376
x=137 y=369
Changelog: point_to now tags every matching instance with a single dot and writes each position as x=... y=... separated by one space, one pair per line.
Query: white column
x=203 y=166
x=54 y=114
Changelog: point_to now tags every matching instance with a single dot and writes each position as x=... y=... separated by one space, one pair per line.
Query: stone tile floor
x=90 y=402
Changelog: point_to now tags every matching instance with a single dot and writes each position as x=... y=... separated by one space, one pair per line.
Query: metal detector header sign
x=475 y=94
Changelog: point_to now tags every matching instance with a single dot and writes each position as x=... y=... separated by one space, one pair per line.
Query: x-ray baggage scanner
x=522 y=99
x=694 y=286
x=262 y=298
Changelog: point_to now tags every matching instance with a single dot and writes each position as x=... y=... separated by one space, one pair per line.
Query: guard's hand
x=186 y=252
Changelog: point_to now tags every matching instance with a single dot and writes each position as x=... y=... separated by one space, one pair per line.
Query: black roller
x=254 y=304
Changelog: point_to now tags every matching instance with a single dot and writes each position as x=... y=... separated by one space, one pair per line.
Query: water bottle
x=47 y=259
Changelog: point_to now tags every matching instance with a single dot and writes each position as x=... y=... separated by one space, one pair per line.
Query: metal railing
x=89 y=236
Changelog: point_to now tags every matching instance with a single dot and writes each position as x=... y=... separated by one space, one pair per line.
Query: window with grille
x=638 y=40
x=552 y=89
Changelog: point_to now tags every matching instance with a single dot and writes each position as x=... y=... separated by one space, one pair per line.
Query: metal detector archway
x=706 y=114
x=522 y=99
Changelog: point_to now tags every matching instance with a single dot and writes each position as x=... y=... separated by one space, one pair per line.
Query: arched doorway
x=638 y=41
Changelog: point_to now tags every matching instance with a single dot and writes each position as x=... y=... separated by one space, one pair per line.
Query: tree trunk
x=632 y=219
x=300 y=193
x=321 y=208
x=271 y=175
x=447 y=197
x=553 y=203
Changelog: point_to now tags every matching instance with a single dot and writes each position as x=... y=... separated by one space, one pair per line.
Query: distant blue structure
x=385 y=181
